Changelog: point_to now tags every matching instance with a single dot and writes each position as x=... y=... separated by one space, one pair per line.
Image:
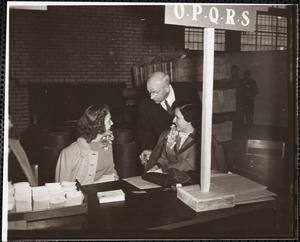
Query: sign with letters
x=220 y=16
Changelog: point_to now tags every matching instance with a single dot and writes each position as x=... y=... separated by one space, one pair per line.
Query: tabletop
x=160 y=210
x=158 y=213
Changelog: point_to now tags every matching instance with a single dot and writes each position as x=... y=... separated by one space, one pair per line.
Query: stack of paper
x=23 y=196
x=11 y=196
x=57 y=202
x=52 y=195
x=245 y=190
x=68 y=187
x=57 y=196
x=11 y=189
x=21 y=185
x=111 y=196
x=74 y=198
x=40 y=198
x=68 y=184
x=11 y=203
x=53 y=185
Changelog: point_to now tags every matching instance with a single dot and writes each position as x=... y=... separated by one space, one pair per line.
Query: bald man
x=155 y=114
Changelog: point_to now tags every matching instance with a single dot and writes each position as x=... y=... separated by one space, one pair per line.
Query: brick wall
x=81 y=44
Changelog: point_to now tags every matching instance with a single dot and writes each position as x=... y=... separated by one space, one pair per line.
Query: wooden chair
x=265 y=148
x=262 y=161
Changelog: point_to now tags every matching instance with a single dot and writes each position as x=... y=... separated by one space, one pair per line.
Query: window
x=194 y=39
x=283 y=6
x=270 y=34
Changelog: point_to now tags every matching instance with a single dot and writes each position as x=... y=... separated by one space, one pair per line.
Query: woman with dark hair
x=90 y=158
x=178 y=147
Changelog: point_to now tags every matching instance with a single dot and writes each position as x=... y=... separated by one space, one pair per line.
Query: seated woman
x=90 y=158
x=178 y=147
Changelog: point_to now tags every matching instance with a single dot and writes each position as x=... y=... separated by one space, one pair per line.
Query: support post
x=207 y=97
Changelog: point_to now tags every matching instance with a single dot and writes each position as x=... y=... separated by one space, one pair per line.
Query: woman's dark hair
x=91 y=122
x=190 y=112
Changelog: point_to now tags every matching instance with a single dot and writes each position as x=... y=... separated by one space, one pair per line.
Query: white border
x=43 y=6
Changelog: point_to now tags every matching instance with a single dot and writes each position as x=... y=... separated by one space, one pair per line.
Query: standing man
x=248 y=92
x=156 y=114
x=238 y=122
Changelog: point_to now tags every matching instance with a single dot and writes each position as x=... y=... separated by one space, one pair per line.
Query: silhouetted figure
x=248 y=90
x=235 y=72
x=238 y=122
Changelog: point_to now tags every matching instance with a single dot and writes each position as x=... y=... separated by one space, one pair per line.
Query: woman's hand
x=153 y=169
x=144 y=156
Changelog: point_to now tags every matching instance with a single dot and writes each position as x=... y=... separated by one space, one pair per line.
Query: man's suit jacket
x=154 y=119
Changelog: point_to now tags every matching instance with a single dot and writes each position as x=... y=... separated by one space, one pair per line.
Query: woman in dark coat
x=178 y=147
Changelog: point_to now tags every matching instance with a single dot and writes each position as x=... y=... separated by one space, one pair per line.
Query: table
x=159 y=214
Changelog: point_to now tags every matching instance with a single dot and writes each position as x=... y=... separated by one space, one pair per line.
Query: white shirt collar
x=170 y=99
x=183 y=137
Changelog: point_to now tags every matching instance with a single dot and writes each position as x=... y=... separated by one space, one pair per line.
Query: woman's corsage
x=107 y=140
x=171 y=138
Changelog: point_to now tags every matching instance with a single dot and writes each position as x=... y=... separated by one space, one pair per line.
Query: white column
x=207 y=103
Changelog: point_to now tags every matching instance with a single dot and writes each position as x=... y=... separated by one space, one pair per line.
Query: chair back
x=265 y=148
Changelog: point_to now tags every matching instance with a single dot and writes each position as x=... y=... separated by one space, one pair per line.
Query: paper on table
x=253 y=195
x=74 y=198
x=235 y=183
x=138 y=182
x=111 y=196
x=245 y=190
x=262 y=199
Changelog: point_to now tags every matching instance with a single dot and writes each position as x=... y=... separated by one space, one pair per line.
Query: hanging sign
x=220 y=16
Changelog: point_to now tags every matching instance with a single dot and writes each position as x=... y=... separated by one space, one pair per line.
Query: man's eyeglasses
x=154 y=94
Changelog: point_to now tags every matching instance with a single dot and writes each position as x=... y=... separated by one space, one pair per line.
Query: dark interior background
x=68 y=57
x=100 y=45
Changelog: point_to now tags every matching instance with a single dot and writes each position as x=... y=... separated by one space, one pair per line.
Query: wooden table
x=159 y=214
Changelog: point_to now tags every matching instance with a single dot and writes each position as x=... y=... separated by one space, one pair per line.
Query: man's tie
x=169 y=109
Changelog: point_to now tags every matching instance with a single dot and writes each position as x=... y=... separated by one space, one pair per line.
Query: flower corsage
x=107 y=140
x=171 y=137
